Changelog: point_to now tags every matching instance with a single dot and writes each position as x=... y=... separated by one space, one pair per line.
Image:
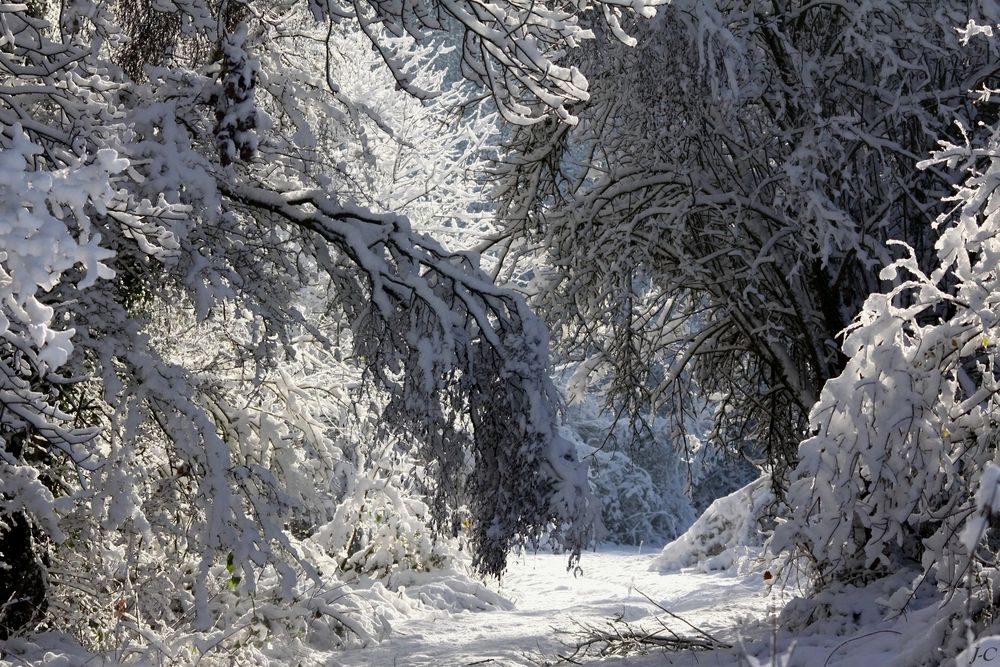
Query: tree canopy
x=215 y=163
x=281 y=283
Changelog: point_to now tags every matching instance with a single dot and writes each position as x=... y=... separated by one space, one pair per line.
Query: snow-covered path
x=549 y=603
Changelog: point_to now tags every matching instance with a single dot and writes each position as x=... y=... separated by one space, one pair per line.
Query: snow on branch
x=445 y=342
x=512 y=48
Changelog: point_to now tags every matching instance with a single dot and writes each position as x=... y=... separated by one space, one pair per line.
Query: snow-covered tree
x=902 y=468
x=725 y=202
x=641 y=487
x=649 y=489
x=200 y=161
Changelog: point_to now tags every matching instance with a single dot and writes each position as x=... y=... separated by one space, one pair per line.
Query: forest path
x=550 y=605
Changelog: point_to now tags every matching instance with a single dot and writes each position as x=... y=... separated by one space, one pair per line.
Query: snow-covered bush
x=901 y=469
x=634 y=510
x=732 y=528
x=651 y=481
x=381 y=525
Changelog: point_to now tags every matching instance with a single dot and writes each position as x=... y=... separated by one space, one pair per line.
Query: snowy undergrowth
x=729 y=533
x=363 y=550
x=890 y=621
x=843 y=627
x=268 y=625
x=651 y=483
x=895 y=620
x=637 y=505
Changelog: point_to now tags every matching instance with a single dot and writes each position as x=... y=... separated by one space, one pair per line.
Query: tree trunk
x=23 y=575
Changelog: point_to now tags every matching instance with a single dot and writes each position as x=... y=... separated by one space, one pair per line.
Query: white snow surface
x=550 y=604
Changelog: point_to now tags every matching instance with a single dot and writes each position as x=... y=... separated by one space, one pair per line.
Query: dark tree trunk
x=23 y=575
x=24 y=585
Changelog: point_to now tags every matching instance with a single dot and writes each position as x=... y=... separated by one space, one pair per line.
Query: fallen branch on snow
x=619 y=638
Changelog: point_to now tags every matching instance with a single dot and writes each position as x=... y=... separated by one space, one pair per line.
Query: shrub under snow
x=729 y=530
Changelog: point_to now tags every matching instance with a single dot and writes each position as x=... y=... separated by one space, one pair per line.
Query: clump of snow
x=450 y=591
x=727 y=533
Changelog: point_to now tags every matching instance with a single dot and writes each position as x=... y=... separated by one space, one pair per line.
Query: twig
x=854 y=639
x=622 y=639
x=682 y=620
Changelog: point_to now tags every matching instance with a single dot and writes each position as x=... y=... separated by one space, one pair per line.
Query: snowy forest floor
x=552 y=606
x=553 y=610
